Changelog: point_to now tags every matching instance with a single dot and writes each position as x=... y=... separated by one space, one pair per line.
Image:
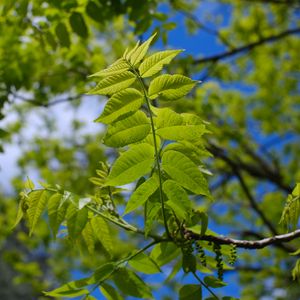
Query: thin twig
x=247 y=47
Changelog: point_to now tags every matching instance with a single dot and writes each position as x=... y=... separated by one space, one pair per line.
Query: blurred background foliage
x=249 y=94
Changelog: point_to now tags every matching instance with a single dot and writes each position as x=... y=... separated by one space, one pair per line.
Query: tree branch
x=247 y=47
x=245 y=244
x=51 y=103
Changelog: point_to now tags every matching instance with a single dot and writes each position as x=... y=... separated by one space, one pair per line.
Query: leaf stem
x=155 y=148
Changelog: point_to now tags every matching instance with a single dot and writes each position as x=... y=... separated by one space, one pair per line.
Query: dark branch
x=48 y=104
x=258 y=171
x=258 y=244
x=247 y=47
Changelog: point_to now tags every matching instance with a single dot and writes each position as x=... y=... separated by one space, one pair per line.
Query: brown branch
x=255 y=171
x=245 y=244
x=247 y=47
x=51 y=103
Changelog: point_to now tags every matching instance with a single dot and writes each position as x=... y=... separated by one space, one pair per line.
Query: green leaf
x=128 y=131
x=116 y=68
x=154 y=63
x=121 y=103
x=178 y=199
x=141 y=194
x=144 y=264
x=114 y=83
x=190 y=292
x=164 y=253
x=70 y=289
x=171 y=126
x=29 y=184
x=102 y=232
x=188 y=263
x=214 y=282
x=130 y=284
x=131 y=165
x=139 y=53
x=76 y=220
x=57 y=209
x=78 y=24
x=62 y=34
x=194 y=151
x=151 y=215
x=89 y=237
x=170 y=87
x=102 y=273
x=181 y=169
x=36 y=204
x=109 y=292
x=20 y=212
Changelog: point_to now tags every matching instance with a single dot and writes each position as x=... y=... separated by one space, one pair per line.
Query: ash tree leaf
x=131 y=284
x=164 y=253
x=190 y=292
x=57 y=209
x=113 y=83
x=181 y=169
x=141 y=194
x=214 y=282
x=102 y=273
x=128 y=131
x=109 y=292
x=70 y=289
x=144 y=264
x=116 y=68
x=121 y=103
x=131 y=165
x=151 y=215
x=76 y=220
x=88 y=237
x=36 y=204
x=178 y=199
x=189 y=262
x=170 y=87
x=154 y=63
x=140 y=52
x=171 y=126
x=191 y=150
x=62 y=34
x=78 y=24
x=102 y=233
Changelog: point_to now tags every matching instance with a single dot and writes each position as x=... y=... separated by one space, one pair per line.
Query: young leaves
x=178 y=199
x=121 y=103
x=114 y=83
x=116 y=68
x=172 y=126
x=36 y=204
x=139 y=53
x=144 y=264
x=181 y=169
x=131 y=165
x=130 y=284
x=128 y=131
x=154 y=63
x=170 y=87
x=141 y=194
